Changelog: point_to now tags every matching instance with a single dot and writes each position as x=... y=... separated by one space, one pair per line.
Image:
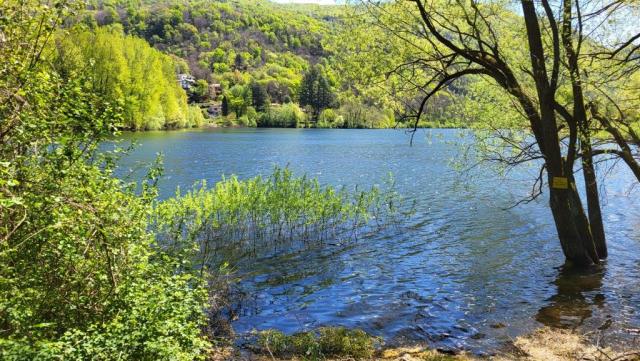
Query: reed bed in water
x=278 y=212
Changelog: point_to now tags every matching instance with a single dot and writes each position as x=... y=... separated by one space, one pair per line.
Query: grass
x=320 y=344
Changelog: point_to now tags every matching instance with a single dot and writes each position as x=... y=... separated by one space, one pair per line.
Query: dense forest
x=274 y=67
x=126 y=71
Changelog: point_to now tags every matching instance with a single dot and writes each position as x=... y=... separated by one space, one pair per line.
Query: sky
x=321 y=2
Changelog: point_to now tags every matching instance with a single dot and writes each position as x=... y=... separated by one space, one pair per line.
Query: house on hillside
x=186 y=81
x=214 y=90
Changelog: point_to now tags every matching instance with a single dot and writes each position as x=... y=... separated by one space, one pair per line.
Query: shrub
x=80 y=276
x=274 y=341
x=330 y=119
x=195 y=117
x=286 y=116
x=359 y=115
x=342 y=341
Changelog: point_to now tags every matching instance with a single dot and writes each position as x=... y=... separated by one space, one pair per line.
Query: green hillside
x=247 y=58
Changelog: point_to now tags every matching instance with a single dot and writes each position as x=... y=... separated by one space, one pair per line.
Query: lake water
x=463 y=272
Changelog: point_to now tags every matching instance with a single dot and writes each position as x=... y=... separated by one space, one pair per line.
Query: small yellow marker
x=560 y=183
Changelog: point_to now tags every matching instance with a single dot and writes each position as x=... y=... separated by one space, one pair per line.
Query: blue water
x=463 y=272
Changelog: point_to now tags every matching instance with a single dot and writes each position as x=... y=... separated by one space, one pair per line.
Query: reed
x=277 y=213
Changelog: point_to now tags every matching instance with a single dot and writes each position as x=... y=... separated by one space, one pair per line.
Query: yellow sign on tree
x=560 y=183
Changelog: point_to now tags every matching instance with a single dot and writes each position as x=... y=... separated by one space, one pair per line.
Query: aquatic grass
x=276 y=213
x=319 y=344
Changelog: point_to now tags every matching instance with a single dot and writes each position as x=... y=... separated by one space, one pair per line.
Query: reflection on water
x=462 y=272
x=576 y=296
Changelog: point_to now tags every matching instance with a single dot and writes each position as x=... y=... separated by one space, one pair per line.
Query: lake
x=465 y=271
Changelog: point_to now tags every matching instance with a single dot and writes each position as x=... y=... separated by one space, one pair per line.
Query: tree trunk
x=571 y=222
x=573 y=227
x=593 y=199
x=581 y=122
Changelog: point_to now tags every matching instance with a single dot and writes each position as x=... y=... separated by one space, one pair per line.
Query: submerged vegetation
x=275 y=212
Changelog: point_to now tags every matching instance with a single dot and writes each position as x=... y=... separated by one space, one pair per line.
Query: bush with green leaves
x=80 y=275
x=330 y=119
x=288 y=115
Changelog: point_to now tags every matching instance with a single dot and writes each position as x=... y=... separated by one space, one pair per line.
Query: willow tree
x=531 y=57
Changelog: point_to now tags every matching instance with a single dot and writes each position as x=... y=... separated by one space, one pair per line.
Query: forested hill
x=247 y=62
x=232 y=43
x=218 y=36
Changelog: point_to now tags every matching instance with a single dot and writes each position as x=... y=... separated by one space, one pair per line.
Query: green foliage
x=160 y=318
x=285 y=116
x=266 y=49
x=358 y=115
x=274 y=341
x=319 y=344
x=330 y=119
x=316 y=92
x=343 y=341
x=265 y=41
x=239 y=99
x=125 y=70
x=225 y=106
x=260 y=96
x=372 y=77
x=80 y=276
x=199 y=92
x=195 y=117
x=259 y=213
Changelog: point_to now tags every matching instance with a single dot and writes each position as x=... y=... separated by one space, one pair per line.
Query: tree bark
x=571 y=222
x=593 y=199
x=582 y=124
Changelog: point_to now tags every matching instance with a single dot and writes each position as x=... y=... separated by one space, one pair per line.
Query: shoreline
x=236 y=126
x=544 y=344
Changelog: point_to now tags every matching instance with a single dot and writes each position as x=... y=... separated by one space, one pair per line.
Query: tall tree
x=260 y=97
x=239 y=62
x=239 y=98
x=315 y=92
x=578 y=122
x=225 y=106
x=543 y=83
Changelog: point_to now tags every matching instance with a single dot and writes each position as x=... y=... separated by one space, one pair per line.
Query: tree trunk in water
x=581 y=125
x=593 y=199
x=571 y=222
x=573 y=227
